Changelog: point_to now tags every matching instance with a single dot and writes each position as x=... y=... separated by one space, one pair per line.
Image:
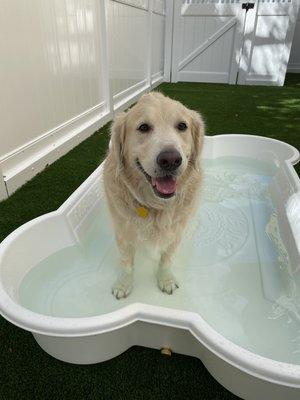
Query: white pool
x=238 y=305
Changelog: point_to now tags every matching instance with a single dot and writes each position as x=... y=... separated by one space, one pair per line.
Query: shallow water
x=233 y=267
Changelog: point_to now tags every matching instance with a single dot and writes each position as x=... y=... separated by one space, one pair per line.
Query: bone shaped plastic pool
x=238 y=305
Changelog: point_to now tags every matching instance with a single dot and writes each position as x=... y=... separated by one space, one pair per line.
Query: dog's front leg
x=165 y=279
x=124 y=283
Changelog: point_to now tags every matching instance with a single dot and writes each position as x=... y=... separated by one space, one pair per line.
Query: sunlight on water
x=233 y=267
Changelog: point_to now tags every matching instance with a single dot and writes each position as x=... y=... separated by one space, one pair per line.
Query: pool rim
x=261 y=367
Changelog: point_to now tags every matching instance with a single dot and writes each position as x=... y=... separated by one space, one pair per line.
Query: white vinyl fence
x=233 y=41
x=136 y=32
x=66 y=67
x=294 y=61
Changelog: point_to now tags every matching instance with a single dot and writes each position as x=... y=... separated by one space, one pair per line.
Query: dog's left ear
x=198 y=130
x=117 y=140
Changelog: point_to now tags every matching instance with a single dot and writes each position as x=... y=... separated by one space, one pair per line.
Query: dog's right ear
x=117 y=140
x=198 y=129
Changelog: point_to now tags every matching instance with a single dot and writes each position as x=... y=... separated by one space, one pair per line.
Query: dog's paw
x=166 y=281
x=123 y=285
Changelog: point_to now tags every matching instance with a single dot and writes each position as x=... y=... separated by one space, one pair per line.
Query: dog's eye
x=144 y=128
x=182 y=126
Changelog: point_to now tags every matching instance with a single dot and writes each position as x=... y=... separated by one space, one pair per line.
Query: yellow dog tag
x=142 y=212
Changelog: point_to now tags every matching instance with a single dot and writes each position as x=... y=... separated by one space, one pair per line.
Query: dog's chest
x=156 y=228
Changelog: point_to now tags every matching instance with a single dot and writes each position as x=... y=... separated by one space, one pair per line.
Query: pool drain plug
x=166 y=351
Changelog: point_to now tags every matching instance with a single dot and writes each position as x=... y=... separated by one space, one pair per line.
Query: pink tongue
x=166 y=185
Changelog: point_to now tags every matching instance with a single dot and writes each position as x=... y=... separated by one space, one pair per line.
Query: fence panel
x=58 y=84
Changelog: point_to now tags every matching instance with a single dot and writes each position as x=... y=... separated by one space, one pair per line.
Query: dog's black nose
x=169 y=160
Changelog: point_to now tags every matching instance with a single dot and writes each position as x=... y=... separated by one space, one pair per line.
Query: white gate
x=269 y=30
x=232 y=41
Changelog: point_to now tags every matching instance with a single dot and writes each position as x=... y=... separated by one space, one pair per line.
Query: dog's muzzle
x=163 y=186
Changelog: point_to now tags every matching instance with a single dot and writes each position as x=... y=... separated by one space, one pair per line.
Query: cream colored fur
x=127 y=188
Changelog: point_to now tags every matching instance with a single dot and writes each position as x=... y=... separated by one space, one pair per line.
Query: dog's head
x=158 y=141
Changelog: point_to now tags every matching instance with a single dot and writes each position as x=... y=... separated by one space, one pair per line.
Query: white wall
x=294 y=61
x=57 y=83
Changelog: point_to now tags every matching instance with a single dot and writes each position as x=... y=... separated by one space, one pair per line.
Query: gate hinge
x=247 y=6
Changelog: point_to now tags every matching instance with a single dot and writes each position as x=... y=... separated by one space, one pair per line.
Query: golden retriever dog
x=151 y=177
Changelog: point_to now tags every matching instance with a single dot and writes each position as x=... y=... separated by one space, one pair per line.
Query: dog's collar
x=142 y=212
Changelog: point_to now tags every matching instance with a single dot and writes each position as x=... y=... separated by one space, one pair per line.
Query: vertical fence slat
x=176 y=40
x=108 y=96
x=135 y=63
x=3 y=192
x=293 y=13
x=150 y=38
x=168 y=39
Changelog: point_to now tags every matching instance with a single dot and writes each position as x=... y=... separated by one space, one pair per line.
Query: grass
x=267 y=111
x=29 y=373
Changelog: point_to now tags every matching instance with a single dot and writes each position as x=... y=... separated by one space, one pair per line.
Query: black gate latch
x=247 y=6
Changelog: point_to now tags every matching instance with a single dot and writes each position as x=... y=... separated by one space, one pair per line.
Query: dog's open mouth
x=163 y=186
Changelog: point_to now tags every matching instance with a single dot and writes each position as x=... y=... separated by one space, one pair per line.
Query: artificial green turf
x=26 y=372
x=259 y=110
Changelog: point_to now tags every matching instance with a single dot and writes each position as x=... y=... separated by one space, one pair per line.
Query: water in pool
x=233 y=267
